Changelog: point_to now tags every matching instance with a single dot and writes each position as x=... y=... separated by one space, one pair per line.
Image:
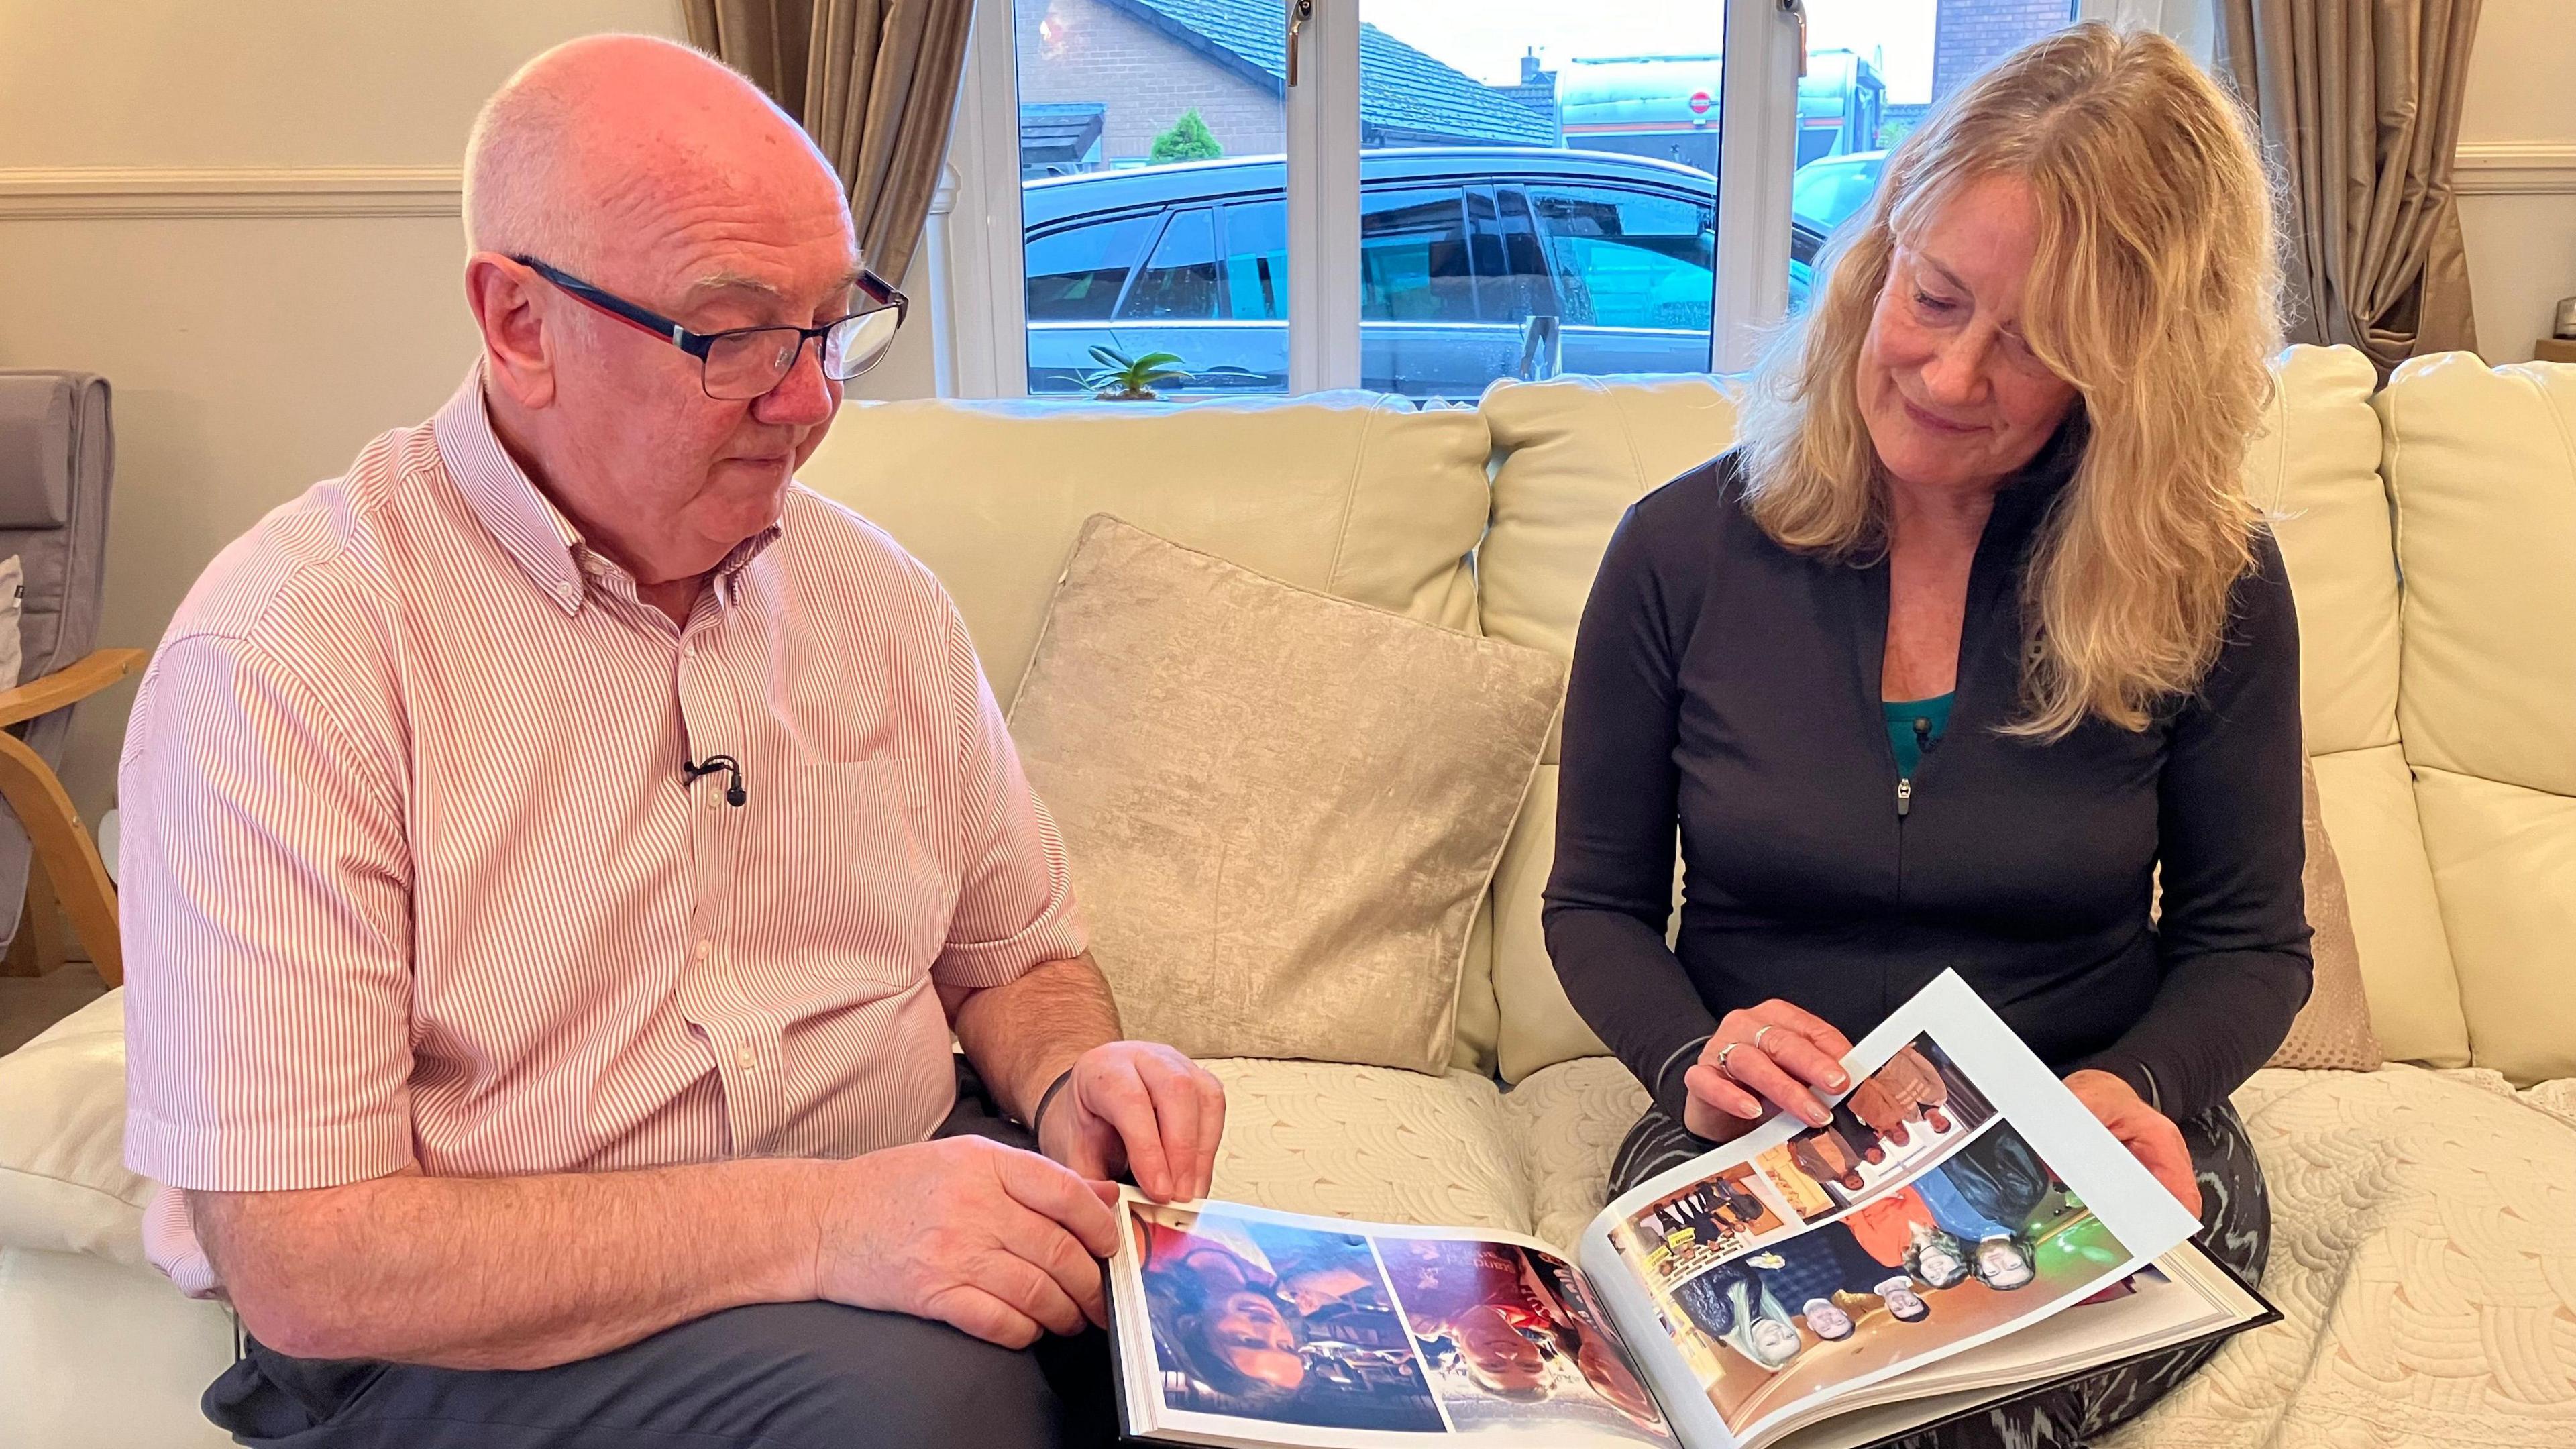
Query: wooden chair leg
x=65 y=854
x=37 y=949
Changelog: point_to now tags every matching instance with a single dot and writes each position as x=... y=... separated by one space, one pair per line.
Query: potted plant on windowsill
x=1134 y=380
x=1122 y=378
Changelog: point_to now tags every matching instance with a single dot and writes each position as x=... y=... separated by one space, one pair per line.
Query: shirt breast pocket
x=855 y=878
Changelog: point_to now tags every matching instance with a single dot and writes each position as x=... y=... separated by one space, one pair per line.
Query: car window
x=1827 y=191
x=1075 y=274
x=1629 y=258
x=1511 y=275
x=1256 y=261
x=1413 y=256
x=1180 y=281
x=1805 y=242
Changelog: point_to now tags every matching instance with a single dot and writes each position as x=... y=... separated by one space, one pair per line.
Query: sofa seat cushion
x=2424 y=1262
x=1570 y=1119
x=1369 y=1142
x=64 y=1187
x=105 y=1356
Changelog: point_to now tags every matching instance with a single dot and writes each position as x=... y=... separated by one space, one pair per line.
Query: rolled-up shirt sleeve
x=1015 y=904
x=265 y=902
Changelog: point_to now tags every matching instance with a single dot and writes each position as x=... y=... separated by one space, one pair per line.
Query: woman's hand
x=1763 y=1057
x=2150 y=1135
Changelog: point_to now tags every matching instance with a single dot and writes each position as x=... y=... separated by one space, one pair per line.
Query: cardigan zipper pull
x=1904 y=798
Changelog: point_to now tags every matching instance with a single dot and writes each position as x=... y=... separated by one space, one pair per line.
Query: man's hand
x=999 y=1243
x=1140 y=1105
x=2150 y=1135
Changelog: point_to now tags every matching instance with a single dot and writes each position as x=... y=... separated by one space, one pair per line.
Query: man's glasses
x=748 y=362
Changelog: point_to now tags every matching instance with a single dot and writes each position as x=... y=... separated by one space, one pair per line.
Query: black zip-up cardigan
x=1730 y=686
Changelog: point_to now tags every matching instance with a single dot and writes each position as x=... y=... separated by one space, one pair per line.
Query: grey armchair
x=57 y=460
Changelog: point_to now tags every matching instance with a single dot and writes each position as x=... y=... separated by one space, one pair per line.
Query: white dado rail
x=92 y=193
x=2515 y=168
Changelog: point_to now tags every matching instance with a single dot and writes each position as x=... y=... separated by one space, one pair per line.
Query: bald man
x=561 y=848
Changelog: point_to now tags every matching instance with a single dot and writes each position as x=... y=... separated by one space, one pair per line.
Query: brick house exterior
x=1139 y=65
x=1970 y=35
x=1086 y=50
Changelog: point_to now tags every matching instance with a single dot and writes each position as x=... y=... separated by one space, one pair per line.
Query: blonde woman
x=1974 y=633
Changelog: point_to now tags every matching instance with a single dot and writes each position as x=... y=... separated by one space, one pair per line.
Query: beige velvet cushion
x=2333 y=1030
x=1354 y=494
x=1282 y=808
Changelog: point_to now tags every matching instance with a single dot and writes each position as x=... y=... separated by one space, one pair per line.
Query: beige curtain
x=2360 y=106
x=874 y=82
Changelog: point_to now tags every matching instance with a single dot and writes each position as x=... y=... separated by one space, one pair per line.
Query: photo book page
x=1961 y=1230
x=1237 y=1325
x=1957 y=1194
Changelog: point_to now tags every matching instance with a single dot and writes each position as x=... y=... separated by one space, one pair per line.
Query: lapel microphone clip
x=734 y=794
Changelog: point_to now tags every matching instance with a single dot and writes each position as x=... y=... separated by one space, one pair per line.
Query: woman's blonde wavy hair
x=2155 y=291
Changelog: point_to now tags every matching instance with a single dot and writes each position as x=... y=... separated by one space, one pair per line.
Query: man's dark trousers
x=768 y=1376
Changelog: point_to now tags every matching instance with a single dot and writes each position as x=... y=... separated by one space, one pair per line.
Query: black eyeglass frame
x=880 y=294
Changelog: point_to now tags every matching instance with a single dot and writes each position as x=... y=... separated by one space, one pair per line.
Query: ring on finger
x=1757 y=1035
x=1723 y=1053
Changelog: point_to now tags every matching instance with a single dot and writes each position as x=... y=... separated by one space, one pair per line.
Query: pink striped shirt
x=411 y=873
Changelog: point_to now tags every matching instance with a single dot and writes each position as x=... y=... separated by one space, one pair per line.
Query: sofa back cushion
x=1350 y=494
x=2481 y=466
x=2314 y=467
x=1573 y=454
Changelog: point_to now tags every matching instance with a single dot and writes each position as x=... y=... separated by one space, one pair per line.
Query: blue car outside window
x=1075 y=274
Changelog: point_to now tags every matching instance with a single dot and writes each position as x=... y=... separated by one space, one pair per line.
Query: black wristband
x=1037 y=1115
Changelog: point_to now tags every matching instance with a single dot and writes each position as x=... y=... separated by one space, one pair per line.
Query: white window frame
x=986 y=351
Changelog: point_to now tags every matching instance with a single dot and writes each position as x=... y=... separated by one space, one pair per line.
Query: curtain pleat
x=874 y=82
x=2359 y=102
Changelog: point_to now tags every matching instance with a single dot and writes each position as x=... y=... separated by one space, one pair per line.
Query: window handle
x=1794 y=9
x=1298 y=14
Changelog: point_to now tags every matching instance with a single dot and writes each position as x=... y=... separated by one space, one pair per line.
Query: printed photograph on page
x=1516 y=1348
x=1276 y=1323
x=1913 y=1223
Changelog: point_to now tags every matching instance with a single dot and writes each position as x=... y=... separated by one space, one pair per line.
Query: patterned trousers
x=2236 y=1229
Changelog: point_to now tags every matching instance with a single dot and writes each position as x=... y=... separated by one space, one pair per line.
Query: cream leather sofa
x=2425 y=1251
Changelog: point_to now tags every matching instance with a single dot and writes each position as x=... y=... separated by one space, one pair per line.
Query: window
x=1465 y=190
x=1586 y=137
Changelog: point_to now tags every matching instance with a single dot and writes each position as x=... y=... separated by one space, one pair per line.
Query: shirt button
x=746 y=1057
x=715 y=799
x=704 y=947
x=689 y=650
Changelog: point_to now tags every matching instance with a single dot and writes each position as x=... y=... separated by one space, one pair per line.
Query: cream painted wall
x=252 y=355
x=2522 y=247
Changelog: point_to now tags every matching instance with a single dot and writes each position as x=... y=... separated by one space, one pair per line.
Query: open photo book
x=1961 y=1232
